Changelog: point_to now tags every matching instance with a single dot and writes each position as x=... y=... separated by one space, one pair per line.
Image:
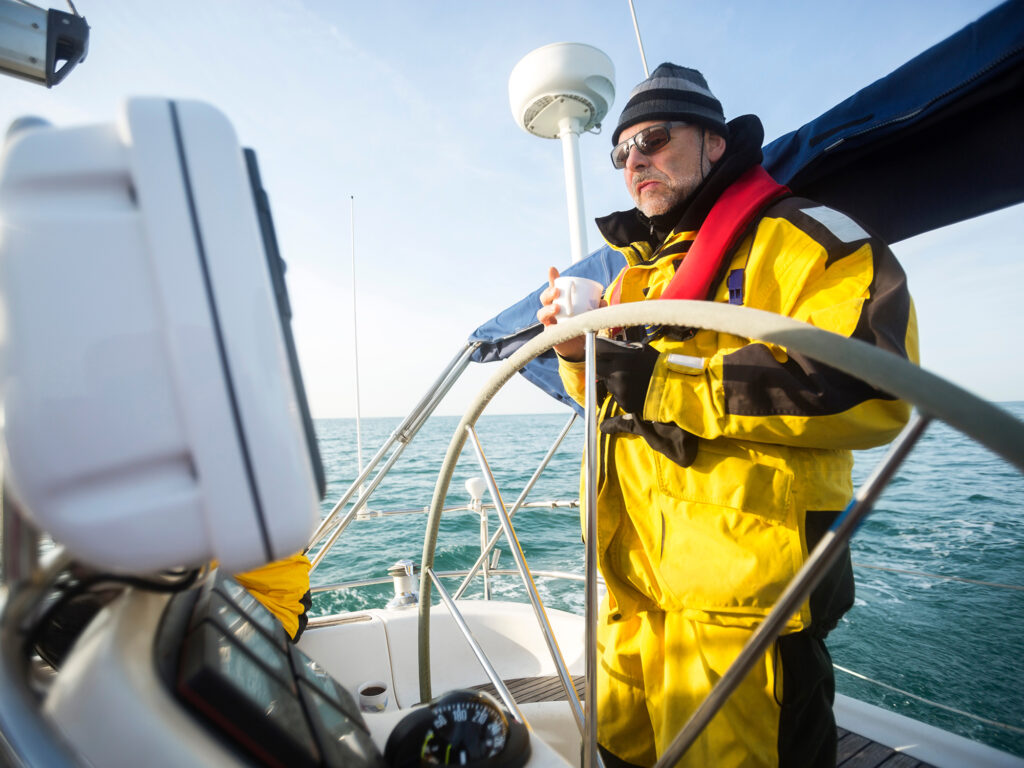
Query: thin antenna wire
x=639 y=42
x=355 y=341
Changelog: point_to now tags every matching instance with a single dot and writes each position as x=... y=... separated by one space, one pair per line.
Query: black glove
x=626 y=368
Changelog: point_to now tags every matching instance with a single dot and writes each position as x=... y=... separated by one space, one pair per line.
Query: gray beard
x=662 y=204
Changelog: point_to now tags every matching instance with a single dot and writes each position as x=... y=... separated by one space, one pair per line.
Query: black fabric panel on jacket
x=667 y=439
x=676 y=249
x=807 y=727
x=757 y=384
x=611 y=760
x=885 y=315
x=622 y=228
x=883 y=320
x=792 y=209
x=625 y=368
x=834 y=594
x=307 y=602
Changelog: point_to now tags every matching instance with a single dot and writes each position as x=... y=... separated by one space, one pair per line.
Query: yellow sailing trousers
x=655 y=668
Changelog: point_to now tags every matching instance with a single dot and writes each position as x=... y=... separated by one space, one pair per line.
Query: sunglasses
x=648 y=141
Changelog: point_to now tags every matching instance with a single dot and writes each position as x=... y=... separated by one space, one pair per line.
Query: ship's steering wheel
x=933 y=396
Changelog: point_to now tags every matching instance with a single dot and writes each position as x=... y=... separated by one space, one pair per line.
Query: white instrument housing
x=154 y=414
x=559 y=82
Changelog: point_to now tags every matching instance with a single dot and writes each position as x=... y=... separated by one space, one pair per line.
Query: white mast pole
x=569 y=132
x=559 y=91
x=355 y=341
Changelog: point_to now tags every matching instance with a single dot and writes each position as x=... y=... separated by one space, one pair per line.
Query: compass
x=462 y=727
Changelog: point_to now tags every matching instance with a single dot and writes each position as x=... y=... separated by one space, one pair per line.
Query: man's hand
x=572 y=349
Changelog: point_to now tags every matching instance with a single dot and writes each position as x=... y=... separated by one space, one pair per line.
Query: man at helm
x=722 y=461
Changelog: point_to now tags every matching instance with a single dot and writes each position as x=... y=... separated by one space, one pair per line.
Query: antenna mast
x=643 y=57
x=355 y=341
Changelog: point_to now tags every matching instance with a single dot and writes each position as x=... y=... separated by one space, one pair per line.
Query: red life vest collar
x=721 y=231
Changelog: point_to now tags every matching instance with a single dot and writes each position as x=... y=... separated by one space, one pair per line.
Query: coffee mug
x=576 y=295
x=373 y=696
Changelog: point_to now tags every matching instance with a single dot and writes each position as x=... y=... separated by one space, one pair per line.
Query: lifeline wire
x=996 y=723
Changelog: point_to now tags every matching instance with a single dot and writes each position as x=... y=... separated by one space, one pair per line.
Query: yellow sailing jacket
x=720 y=539
x=282 y=587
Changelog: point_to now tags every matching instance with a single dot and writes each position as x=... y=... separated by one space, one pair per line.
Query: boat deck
x=854 y=750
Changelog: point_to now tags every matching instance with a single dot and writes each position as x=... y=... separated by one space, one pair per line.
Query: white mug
x=576 y=295
x=373 y=696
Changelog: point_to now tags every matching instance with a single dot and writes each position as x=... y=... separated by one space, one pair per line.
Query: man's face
x=658 y=182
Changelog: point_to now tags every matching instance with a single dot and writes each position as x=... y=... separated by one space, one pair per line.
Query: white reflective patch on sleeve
x=688 y=363
x=838 y=223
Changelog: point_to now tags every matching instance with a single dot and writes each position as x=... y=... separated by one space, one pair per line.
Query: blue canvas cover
x=504 y=334
x=935 y=142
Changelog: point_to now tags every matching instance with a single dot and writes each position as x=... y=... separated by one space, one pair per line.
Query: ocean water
x=953 y=510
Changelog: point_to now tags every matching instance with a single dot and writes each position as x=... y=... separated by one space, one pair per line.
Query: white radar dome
x=559 y=81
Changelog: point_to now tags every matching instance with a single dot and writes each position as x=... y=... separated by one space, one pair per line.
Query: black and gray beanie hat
x=673 y=92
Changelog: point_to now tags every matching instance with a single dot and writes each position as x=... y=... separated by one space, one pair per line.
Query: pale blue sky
x=458 y=211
